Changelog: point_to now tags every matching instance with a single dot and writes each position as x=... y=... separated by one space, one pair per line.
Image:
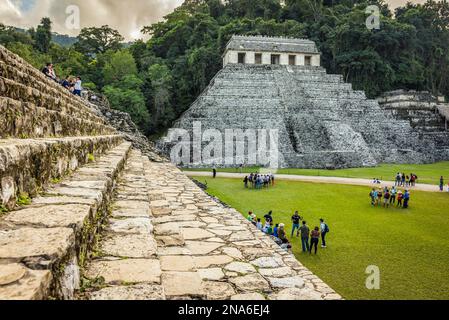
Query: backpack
x=326 y=228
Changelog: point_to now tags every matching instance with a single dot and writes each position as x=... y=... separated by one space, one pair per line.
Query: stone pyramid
x=322 y=121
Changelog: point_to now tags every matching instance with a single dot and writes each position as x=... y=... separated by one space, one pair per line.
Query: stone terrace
x=83 y=215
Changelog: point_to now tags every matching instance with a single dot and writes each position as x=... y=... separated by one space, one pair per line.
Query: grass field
x=427 y=173
x=411 y=247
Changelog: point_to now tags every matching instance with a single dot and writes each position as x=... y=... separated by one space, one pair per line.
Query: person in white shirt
x=78 y=87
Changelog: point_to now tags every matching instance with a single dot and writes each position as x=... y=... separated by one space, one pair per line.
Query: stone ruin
x=427 y=114
x=322 y=122
x=85 y=215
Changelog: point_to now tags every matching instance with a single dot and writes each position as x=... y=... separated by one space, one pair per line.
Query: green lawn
x=411 y=247
x=427 y=173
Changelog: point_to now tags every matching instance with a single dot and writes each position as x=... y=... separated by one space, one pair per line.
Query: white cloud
x=126 y=16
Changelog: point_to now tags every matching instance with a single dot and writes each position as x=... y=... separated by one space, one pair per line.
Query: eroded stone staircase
x=86 y=216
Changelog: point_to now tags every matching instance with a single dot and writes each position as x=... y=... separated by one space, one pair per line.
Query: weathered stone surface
x=179 y=284
x=10 y=273
x=208 y=261
x=218 y=290
x=240 y=267
x=268 y=262
x=214 y=274
x=131 y=293
x=277 y=272
x=195 y=234
x=167 y=229
x=130 y=246
x=33 y=285
x=251 y=282
x=241 y=236
x=202 y=248
x=126 y=271
x=177 y=263
x=233 y=252
x=171 y=241
x=51 y=216
x=131 y=226
x=290 y=282
x=46 y=244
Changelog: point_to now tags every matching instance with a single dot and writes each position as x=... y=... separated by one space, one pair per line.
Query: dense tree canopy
x=157 y=80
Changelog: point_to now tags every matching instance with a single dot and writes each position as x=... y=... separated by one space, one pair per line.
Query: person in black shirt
x=268 y=217
x=296 y=218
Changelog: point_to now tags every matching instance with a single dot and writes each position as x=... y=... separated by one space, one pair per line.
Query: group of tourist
x=74 y=85
x=309 y=239
x=389 y=197
x=442 y=185
x=259 y=181
x=403 y=180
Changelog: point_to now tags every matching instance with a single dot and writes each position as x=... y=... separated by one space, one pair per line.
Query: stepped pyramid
x=84 y=215
x=322 y=121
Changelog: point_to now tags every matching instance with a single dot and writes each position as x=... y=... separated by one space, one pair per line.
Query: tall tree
x=94 y=40
x=42 y=36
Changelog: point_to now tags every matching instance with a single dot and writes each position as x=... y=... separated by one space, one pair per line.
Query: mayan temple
x=278 y=83
x=85 y=214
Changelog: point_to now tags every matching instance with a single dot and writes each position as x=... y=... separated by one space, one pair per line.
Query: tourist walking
x=295 y=220
x=259 y=224
x=214 y=172
x=314 y=239
x=441 y=183
x=324 y=231
x=403 y=180
x=379 y=197
x=398 y=179
x=305 y=231
x=245 y=181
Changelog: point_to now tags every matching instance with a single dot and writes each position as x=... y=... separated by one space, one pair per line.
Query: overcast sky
x=128 y=16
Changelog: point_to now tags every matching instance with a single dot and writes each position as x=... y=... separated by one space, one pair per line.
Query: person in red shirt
x=315 y=239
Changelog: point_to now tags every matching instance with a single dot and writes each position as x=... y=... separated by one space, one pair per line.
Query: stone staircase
x=58 y=165
x=84 y=215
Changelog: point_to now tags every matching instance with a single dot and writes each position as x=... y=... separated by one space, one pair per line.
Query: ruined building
x=278 y=83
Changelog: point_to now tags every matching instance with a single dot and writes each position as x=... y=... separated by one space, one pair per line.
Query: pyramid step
x=23 y=119
x=43 y=245
x=20 y=92
x=34 y=77
x=27 y=165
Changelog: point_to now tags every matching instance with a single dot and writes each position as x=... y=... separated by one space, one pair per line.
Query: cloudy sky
x=128 y=16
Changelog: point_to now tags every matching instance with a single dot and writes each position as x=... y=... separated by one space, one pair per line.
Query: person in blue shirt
x=275 y=231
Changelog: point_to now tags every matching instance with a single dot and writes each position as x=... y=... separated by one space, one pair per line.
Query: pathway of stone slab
x=198 y=249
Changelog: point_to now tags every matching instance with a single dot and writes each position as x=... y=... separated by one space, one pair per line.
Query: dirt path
x=315 y=179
